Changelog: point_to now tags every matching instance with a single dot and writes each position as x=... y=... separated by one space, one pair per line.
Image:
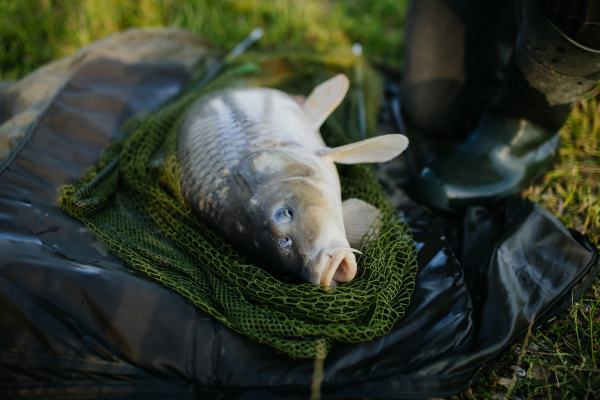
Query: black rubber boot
x=517 y=137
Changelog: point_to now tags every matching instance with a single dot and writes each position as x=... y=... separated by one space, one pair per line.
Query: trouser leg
x=550 y=70
x=455 y=51
x=517 y=135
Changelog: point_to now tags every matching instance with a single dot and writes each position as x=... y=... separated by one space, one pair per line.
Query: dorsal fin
x=325 y=98
x=377 y=149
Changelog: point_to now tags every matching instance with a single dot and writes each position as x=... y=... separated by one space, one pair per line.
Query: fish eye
x=285 y=243
x=283 y=215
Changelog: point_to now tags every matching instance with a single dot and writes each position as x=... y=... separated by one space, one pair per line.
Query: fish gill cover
x=131 y=200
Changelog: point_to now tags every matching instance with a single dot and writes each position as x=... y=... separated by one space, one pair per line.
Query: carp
x=255 y=168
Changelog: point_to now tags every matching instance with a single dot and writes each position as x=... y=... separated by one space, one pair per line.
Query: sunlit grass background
x=560 y=360
x=33 y=32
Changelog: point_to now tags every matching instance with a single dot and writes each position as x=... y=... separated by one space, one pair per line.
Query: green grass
x=34 y=32
x=571 y=189
x=560 y=360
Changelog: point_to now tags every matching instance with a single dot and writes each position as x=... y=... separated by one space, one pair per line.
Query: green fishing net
x=131 y=200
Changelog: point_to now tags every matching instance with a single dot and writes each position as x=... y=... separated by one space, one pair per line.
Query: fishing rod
x=256 y=34
x=358 y=71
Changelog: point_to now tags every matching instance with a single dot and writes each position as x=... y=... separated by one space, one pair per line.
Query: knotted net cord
x=131 y=200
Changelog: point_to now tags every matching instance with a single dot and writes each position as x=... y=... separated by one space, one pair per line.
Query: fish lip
x=340 y=268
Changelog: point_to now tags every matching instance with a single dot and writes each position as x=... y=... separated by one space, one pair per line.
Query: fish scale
x=221 y=130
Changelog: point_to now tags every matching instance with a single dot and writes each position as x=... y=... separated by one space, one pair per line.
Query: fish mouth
x=340 y=268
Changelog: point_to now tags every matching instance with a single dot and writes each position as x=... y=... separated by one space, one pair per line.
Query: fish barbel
x=256 y=169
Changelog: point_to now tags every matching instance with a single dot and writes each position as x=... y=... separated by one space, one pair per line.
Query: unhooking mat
x=77 y=322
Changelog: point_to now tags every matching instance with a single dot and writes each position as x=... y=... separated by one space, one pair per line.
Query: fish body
x=256 y=169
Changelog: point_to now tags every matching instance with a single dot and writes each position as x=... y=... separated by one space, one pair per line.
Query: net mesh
x=131 y=200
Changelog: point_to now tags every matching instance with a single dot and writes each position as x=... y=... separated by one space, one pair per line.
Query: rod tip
x=256 y=33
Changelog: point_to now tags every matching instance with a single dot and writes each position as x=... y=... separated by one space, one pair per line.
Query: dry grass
x=571 y=189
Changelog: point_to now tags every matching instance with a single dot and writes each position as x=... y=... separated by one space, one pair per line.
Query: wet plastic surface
x=78 y=323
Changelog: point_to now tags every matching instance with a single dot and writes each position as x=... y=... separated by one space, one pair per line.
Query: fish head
x=292 y=214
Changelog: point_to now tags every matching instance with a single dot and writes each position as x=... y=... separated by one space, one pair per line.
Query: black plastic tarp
x=75 y=322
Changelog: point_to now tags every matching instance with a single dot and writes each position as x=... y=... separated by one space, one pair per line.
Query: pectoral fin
x=358 y=218
x=325 y=98
x=377 y=149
